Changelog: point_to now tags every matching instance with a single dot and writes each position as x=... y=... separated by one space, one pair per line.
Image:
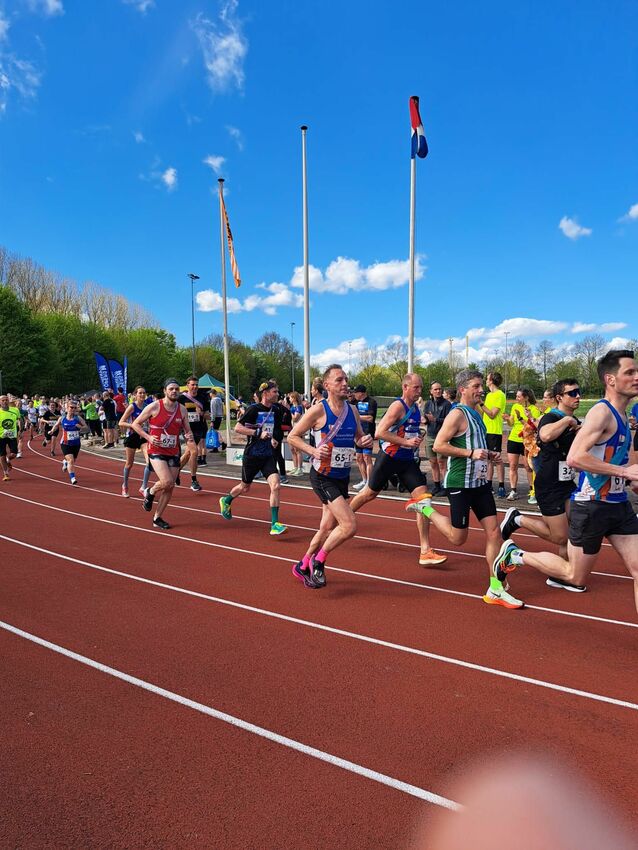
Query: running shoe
x=125 y=491
x=532 y=500
x=5 y=477
x=277 y=528
x=424 y=501
x=196 y=486
x=318 y=575
x=283 y=479
x=178 y=481
x=44 y=442
x=430 y=558
x=566 y=585
x=9 y=465
x=303 y=574
x=52 y=452
x=502 y=598
x=74 y=481
x=147 y=504
x=509 y=526
x=512 y=496
x=19 y=455
x=64 y=466
x=359 y=486
x=501 y=493
x=158 y=522
x=224 y=507
x=503 y=562
x=142 y=490
x=436 y=489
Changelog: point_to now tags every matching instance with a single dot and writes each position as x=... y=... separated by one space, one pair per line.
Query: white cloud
x=344 y=275
x=48 y=7
x=236 y=134
x=279 y=295
x=347 y=353
x=141 y=5
x=519 y=327
x=224 y=47
x=631 y=215
x=572 y=229
x=139 y=137
x=19 y=76
x=209 y=301
x=605 y=327
x=215 y=162
x=4 y=27
x=169 y=178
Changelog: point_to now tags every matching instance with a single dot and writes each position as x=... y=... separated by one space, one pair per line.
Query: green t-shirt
x=90 y=410
x=9 y=422
x=495 y=399
x=520 y=418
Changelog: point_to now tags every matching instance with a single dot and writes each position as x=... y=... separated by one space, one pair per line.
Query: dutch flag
x=419 y=142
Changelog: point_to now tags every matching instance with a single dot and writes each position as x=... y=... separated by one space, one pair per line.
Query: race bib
x=193 y=417
x=341 y=458
x=6 y=433
x=480 y=468
x=616 y=484
x=72 y=436
x=565 y=472
x=266 y=422
x=168 y=441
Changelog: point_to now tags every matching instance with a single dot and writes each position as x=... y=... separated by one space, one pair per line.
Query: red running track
x=393 y=669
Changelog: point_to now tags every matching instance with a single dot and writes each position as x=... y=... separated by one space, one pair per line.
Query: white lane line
x=358 y=573
x=462 y=553
x=275 y=737
x=457 y=662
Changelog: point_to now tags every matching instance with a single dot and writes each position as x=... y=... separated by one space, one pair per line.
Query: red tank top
x=167 y=426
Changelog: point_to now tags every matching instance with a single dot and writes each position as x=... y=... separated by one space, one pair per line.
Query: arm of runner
x=364 y=441
x=593 y=430
x=186 y=428
x=81 y=420
x=453 y=425
x=308 y=421
x=136 y=425
x=393 y=415
x=553 y=430
x=124 y=423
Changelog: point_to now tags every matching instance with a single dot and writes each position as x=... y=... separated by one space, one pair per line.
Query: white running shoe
x=502 y=598
x=512 y=496
x=359 y=486
x=417 y=504
x=19 y=455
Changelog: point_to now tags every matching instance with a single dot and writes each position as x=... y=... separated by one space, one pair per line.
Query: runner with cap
x=167 y=419
x=336 y=428
x=260 y=422
x=195 y=400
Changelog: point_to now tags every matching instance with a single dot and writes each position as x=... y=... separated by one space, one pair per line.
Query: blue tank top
x=342 y=445
x=615 y=450
x=136 y=412
x=70 y=431
x=408 y=427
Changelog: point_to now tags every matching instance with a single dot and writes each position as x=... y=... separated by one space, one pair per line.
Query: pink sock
x=321 y=555
x=307 y=560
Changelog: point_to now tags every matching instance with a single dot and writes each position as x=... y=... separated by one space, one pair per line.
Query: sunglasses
x=573 y=393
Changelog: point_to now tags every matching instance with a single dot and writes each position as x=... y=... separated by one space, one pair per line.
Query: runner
x=600 y=506
x=259 y=423
x=32 y=420
x=9 y=425
x=493 y=409
x=463 y=439
x=14 y=405
x=196 y=403
x=367 y=408
x=554 y=478
x=70 y=423
x=399 y=441
x=296 y=412
x=133 y=441
x=49 y=414
x=336 y=428
x=167 y=419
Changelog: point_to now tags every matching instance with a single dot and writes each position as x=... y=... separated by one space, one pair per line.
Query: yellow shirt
x=521 y=415
x=9 y=422
x=495 y=399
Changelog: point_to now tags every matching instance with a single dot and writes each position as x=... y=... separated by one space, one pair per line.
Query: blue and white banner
x=103 y=371
x=117 y=373
x=125 y=375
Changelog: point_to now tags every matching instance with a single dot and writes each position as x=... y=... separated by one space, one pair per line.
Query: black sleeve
x=547 y=419
x=446 y=409
x=372 y=410
x=250 y=416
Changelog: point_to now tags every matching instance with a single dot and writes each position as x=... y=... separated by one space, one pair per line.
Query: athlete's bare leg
x=554 y=529
x=163 y=487
x=327 y=524
x=576 y=569
x=513 y=462
x=627 y=547
x=273 y=483
x=345 y=528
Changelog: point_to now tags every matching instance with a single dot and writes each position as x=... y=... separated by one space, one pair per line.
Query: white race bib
x=616 y=484
x=72 y=436
x=193 y=417
x=341 y=458
x=480 y=467
x=565 y=472
x=168 y=441
x=6 y=433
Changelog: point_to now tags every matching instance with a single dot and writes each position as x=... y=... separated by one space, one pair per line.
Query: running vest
x=9 y=423
x=464 y=472
x=136 y=412
x=615 y=450
x=167 y=425
x=70 y=431
x=407 y=427
x=342 y=445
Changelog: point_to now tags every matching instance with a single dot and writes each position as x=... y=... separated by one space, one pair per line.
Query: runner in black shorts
x=133 y=441
x=195 y=400
x=258 y=424
x=554 y=481
x=399 y=441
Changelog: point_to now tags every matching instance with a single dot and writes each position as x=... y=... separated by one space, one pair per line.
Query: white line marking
x=373 y=576
x=333 y=630
x=275 y=737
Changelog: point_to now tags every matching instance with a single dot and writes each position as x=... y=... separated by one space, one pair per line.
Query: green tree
x=26 y=351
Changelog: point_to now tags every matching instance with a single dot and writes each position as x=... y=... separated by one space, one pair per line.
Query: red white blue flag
x=419 y=142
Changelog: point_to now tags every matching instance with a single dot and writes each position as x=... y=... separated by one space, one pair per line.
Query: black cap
x=170 y=381
x=267 y=385
x=360 y=388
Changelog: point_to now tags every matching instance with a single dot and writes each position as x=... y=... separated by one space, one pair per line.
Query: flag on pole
x=231 y=249
x=419 y=142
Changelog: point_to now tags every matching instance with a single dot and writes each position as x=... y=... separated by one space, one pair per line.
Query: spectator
x=524 y=412
x=435 y=409
x=296 y=412
x=367 y=408
x=216 y=413
x=110 y=420
x=493 y=408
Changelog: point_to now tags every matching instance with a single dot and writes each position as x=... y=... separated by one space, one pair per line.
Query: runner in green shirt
x=9 y=424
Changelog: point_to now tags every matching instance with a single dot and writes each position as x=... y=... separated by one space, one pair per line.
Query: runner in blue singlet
x=70 y=425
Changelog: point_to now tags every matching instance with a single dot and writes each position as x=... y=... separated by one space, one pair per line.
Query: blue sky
x=117 y=117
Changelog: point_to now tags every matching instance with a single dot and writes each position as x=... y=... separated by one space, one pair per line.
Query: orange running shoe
x=424 y=501
x=430 y=558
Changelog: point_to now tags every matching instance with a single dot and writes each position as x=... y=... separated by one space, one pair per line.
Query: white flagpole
x=306 y=275
x=411 y=287
x=222 y=226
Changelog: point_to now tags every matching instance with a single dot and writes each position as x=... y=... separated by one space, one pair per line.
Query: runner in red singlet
x=167 y=419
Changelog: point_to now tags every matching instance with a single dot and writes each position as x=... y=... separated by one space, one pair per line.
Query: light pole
x=507 y=333
x=349 y=359
x=292 y=354
x=193 y=278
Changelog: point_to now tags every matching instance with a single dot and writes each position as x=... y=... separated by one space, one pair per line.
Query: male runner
x=9 y=424
x=167 y=419
x=463 y=439
x=196 y=403
x=367 y=408
x=336 y=428
x=554 y=478
x=259 y=423
x=493 y=409
x=399 y=441
x=600 y=506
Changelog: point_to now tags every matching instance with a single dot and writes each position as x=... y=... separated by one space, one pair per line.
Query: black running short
x=199 y=431
x=515 y=448
x=494 y=442
x=252 y=465
x=170 y=460
x=479 y=500
x=133 y=440
x=111 y=424
x=10 y=443
x=551 y=500
x=328 y=489
x=407 y=471
x=96 y=427
x=68 y=449
x=589 y=522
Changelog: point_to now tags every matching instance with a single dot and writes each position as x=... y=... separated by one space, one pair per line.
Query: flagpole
x=225 y=309
x=411 y=287
x=306 y=275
